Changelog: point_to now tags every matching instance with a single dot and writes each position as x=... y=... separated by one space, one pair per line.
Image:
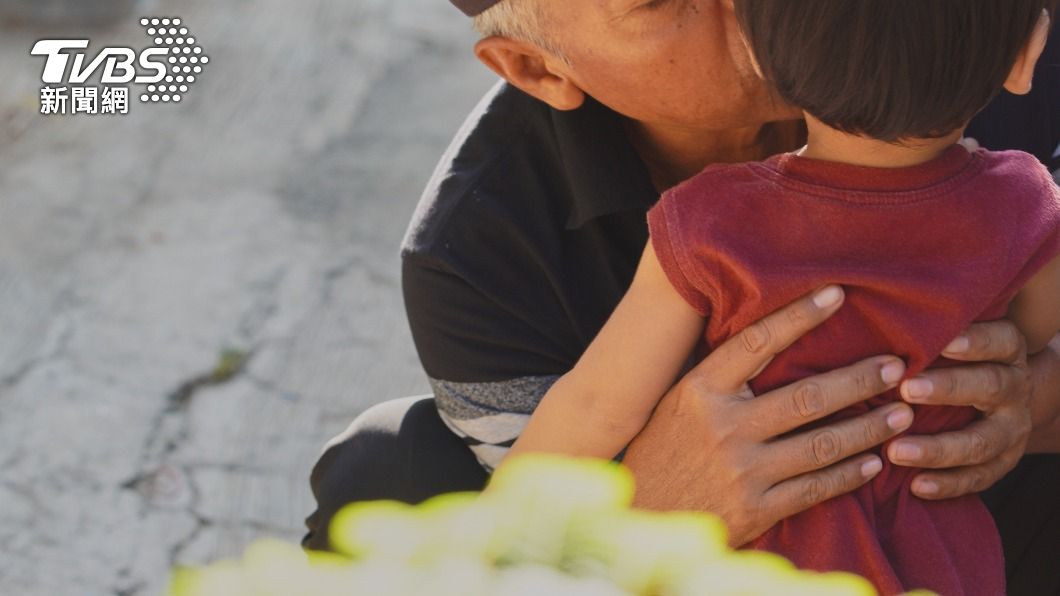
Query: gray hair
x=517 y=19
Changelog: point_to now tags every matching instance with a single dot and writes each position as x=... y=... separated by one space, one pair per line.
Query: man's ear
x=531 y=69
x=1022 y=75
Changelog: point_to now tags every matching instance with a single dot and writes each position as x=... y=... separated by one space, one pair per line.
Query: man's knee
x=399 y=450
x=357 y=459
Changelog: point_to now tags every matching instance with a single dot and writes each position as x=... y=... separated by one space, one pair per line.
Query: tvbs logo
x=167 y=70
x=119 y=64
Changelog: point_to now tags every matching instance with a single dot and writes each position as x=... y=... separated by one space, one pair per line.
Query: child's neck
x=829 y=144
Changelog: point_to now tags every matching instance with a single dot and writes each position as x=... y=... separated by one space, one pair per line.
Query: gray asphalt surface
x=262 y=215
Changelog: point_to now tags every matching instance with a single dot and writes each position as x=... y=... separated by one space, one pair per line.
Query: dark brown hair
x=889 y=69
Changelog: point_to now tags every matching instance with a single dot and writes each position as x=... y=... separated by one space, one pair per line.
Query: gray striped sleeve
x=489 y=416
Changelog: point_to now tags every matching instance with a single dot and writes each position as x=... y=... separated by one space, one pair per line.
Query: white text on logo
x=118 y=63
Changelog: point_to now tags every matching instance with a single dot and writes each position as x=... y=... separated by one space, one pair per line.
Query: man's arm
x=1045 y=439
x=488 y=368
x=1045 y=400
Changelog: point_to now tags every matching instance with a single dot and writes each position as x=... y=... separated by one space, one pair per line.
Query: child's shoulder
x=1016 y=167
x=1020 y=182
x=713 y=182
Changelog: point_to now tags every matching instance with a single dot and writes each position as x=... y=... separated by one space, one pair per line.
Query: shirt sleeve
x=487 y=366
x=463 y=334
x=1037 y=206
x=1047 y=218
x=489 y=417
x=664 y=221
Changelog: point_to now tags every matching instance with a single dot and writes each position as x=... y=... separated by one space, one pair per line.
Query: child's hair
x=889 y=69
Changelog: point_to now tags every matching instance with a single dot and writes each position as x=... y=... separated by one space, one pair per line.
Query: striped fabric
x=489 y=416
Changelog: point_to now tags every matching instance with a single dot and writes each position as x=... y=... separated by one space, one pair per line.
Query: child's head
x=895 y=69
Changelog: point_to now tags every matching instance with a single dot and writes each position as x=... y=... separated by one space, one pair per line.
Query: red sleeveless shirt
x=921 y=252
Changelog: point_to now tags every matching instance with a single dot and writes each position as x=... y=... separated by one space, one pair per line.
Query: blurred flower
x=545 y=525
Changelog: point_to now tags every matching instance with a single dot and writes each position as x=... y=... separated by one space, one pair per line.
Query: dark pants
x=398 y=450
x=401 y=450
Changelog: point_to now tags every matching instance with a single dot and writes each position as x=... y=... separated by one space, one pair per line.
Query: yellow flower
x=545 y=525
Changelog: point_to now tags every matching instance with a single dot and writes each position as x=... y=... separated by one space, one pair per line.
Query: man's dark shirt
x=1029 y=123
x=530 y=231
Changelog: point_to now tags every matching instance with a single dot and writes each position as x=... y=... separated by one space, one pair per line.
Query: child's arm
x=1036 y=308
x=600 y=405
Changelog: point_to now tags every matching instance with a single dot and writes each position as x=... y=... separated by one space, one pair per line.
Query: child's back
x=925 y=238
x=921 y=253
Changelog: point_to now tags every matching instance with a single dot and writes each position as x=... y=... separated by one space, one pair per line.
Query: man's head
x=679 y=64
x=895 y=69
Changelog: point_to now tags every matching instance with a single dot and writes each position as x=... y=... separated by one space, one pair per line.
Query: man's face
x=672 y=63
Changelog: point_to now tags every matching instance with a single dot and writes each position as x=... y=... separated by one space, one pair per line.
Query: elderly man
x=529 y=234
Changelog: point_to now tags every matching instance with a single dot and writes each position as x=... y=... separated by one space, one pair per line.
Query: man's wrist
x=1045 y=439
x=1045 y=400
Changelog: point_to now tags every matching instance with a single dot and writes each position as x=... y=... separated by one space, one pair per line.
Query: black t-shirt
x=1029 y=122
x=525 y=240
x=529 y=234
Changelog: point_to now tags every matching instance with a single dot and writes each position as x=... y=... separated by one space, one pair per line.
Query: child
x=924 y=236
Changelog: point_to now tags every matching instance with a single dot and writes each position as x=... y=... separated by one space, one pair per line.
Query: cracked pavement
x=261 y=216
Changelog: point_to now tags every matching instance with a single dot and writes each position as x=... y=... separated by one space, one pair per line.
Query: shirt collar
x=603 y=170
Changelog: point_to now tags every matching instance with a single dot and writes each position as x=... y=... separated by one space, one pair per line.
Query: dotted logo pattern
x=186 y=59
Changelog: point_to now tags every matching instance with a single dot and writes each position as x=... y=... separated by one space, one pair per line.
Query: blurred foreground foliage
x=545 y=526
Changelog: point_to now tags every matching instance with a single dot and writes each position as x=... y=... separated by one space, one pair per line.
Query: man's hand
x=999 y=385
x=710 y=447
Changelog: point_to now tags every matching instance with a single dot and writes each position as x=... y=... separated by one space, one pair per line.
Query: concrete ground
x=141 y=254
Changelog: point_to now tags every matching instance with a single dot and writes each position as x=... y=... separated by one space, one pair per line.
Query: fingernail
x=959 y=345
x=871 y=468
x=900 y=420
x=828 y=297
x=926 y=487
x=907 y=452
x=892 y=372
x=917 y=389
